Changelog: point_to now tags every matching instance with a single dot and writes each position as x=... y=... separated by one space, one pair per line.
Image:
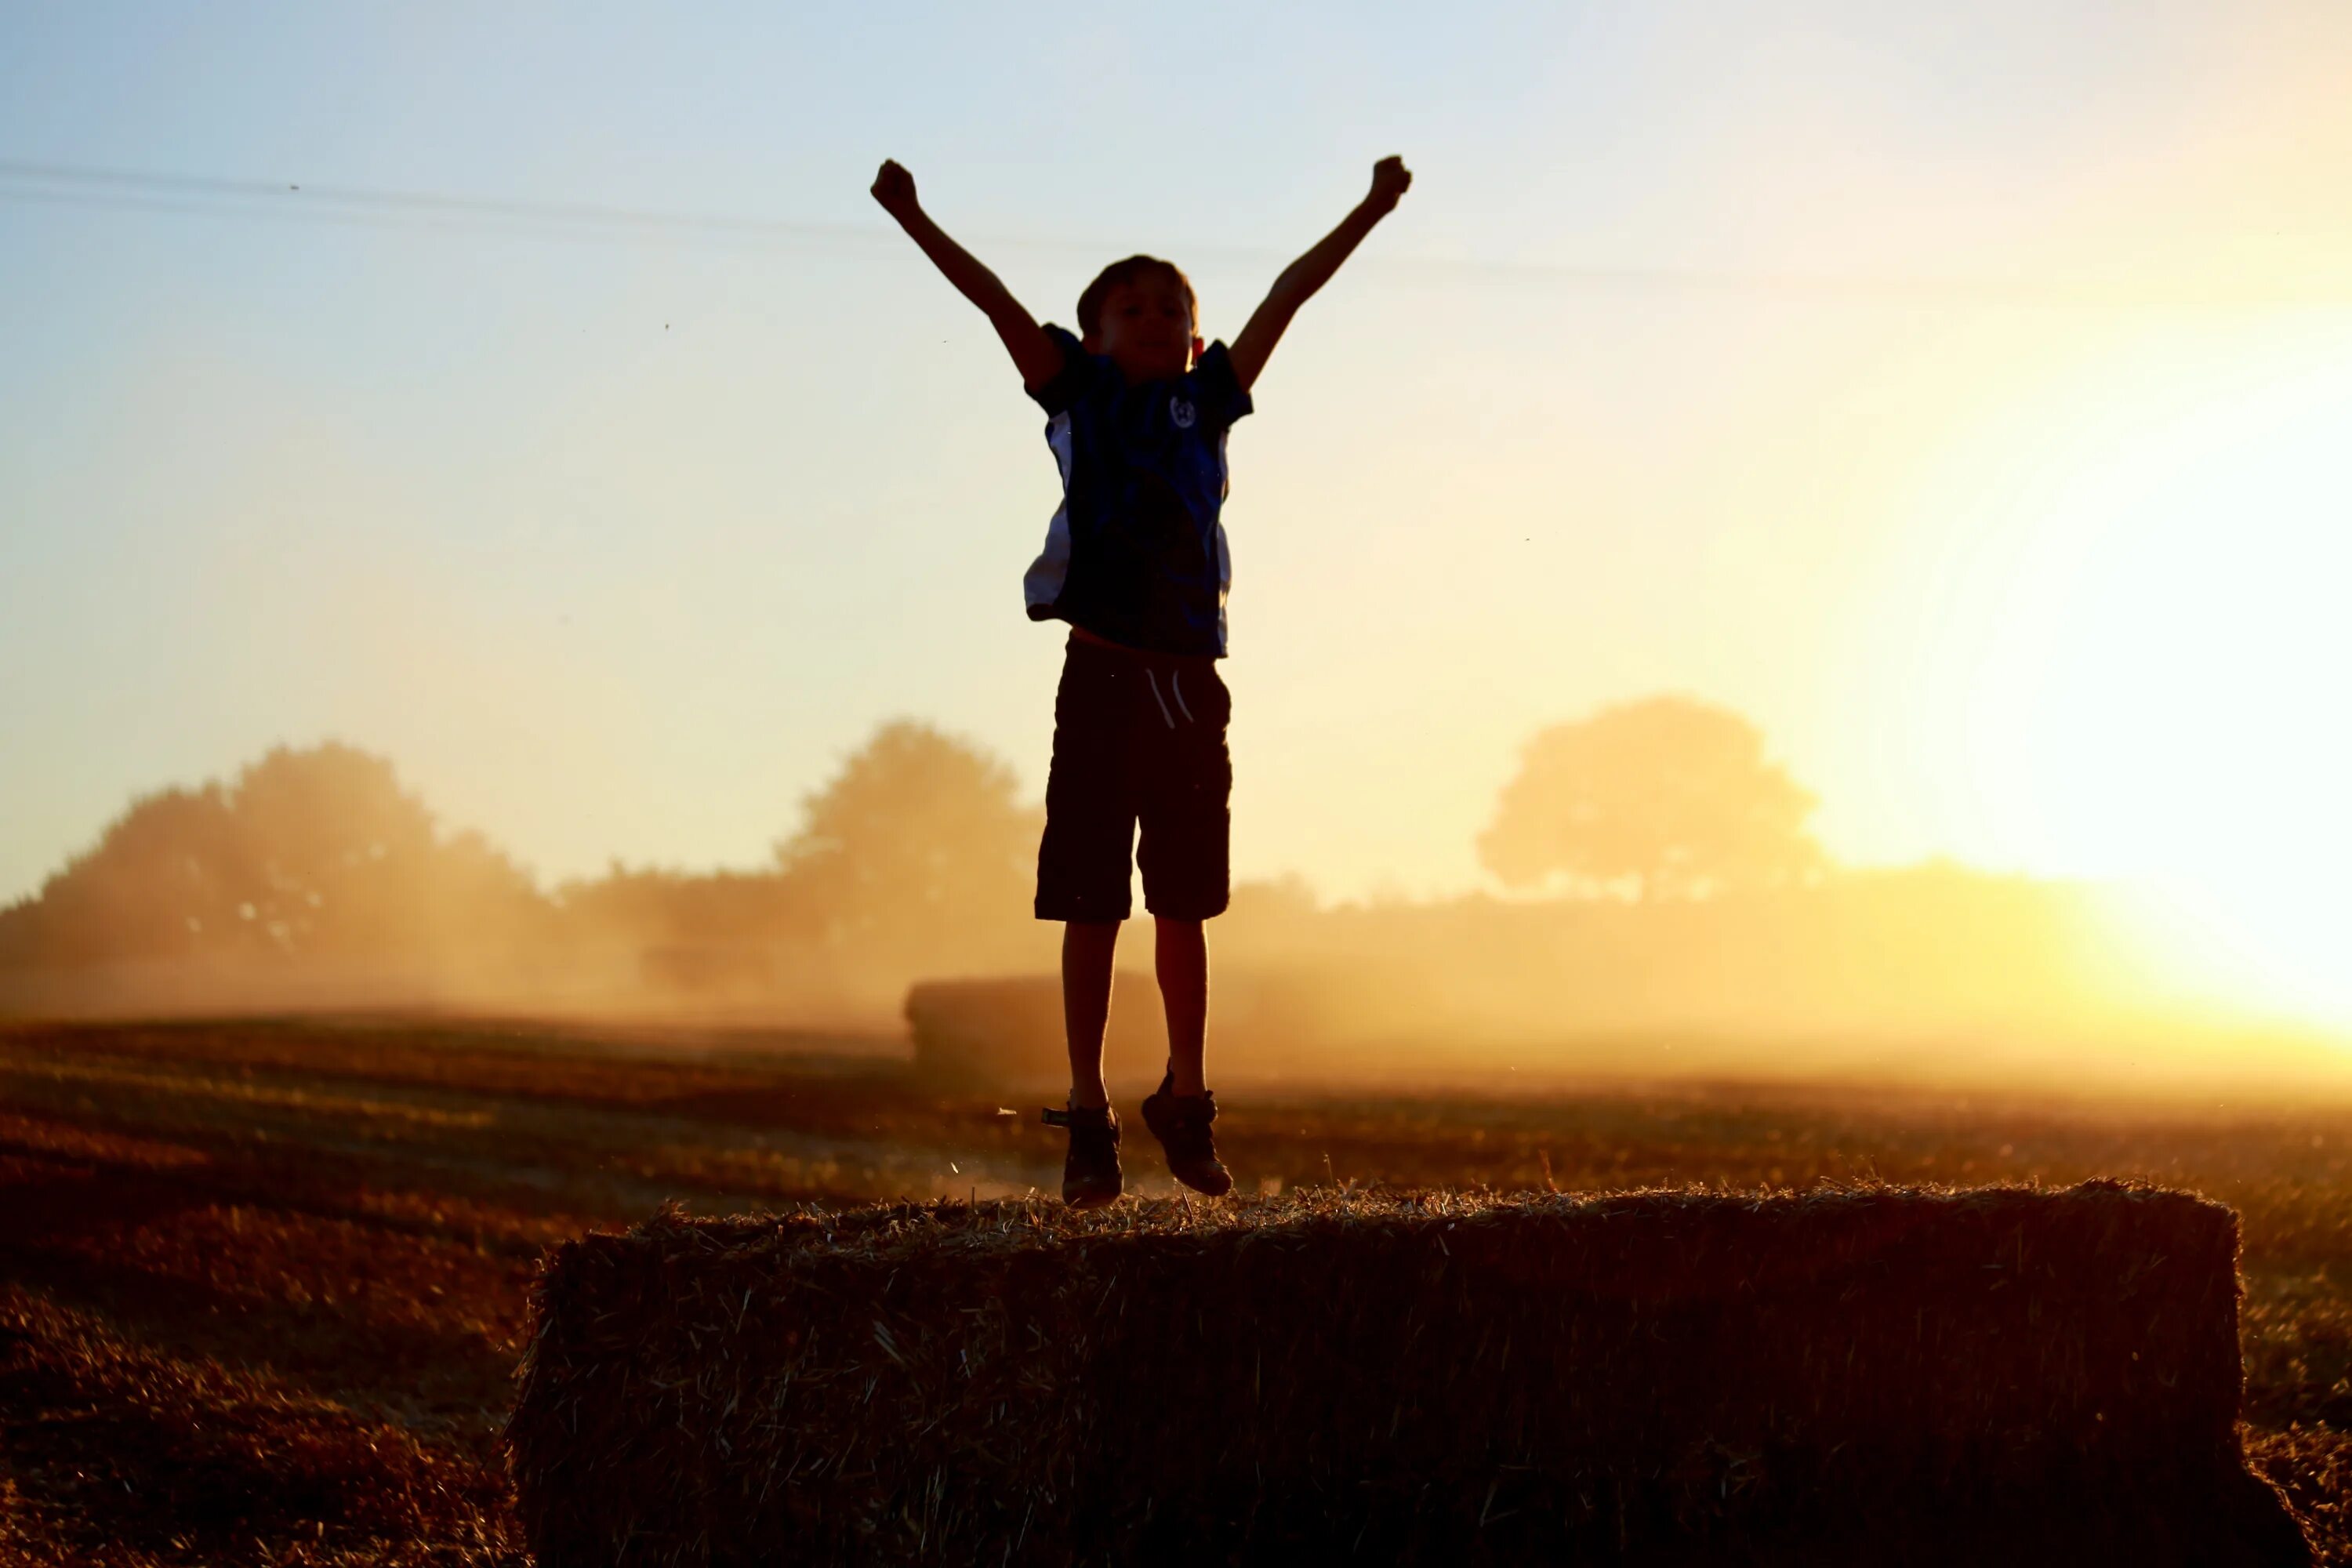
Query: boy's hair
x=1090 y=303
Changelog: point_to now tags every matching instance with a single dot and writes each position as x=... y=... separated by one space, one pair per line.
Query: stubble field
x=262 y=1285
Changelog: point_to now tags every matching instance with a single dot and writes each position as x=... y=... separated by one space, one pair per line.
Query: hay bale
x=1862 y=1375
x=1005 y=1032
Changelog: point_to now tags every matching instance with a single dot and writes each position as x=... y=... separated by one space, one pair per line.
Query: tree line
x=917 y=855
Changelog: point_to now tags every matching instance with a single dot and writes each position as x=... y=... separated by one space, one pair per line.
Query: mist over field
x=1661 y=911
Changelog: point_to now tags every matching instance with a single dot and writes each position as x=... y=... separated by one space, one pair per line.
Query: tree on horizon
x=920 y=848
x=1664 y=798
x=316 y=850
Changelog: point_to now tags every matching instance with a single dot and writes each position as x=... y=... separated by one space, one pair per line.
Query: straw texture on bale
x=1860 y=1375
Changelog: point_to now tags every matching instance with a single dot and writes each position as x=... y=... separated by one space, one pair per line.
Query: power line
x=151 y=191
x=208 y=196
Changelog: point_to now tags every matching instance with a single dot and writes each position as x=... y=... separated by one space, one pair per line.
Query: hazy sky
x=1959 y=391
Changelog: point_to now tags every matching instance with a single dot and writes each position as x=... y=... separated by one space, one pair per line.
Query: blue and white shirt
x=1137 y=553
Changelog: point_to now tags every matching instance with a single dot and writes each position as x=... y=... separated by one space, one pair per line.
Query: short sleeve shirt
x=1137 y=553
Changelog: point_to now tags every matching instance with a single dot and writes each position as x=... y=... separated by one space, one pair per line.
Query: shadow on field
x=52 y=1199
x=104 y=1242
x=120 y=1448
x=843 y=1102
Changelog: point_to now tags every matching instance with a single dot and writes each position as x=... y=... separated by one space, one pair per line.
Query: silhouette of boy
x=1135 y=560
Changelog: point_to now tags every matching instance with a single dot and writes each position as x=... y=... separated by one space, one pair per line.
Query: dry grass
x=2014 y=1374
x=267 y=1283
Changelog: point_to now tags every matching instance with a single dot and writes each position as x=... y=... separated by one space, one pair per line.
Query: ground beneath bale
x=287 y=1232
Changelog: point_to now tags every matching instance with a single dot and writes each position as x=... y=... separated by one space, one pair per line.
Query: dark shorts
x=1139 y=737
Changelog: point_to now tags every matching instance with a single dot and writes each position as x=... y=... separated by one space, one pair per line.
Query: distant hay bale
x=1005 y=1032
x=1872 y=1375
x=709 y=966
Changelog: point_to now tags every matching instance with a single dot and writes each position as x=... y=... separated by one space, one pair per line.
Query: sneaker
x=1091 y=1173
x=1181 y=1122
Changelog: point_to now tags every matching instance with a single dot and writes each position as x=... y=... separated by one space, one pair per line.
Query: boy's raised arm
x=1391 y=179
x=1024 y=339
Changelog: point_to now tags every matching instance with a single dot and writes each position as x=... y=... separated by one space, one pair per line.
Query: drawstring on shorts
x=1159 y=695
x=1165 y=716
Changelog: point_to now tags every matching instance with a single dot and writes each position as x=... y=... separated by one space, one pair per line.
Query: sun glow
x=2144 y=623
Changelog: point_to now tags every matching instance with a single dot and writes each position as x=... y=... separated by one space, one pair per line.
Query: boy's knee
x=1090 y=936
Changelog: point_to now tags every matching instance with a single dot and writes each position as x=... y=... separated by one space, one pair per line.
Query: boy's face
x=1147 y=329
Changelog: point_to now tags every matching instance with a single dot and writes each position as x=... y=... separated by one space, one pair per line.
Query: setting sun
x=2143 y=636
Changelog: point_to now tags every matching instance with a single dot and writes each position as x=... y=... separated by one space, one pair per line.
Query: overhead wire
x=213 y=195
x=149 y=189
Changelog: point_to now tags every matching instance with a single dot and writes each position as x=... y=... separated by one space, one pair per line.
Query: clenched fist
x=1391 y=179
x=894 y=188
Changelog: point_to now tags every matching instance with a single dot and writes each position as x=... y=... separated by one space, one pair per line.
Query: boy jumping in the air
x=1135 y=560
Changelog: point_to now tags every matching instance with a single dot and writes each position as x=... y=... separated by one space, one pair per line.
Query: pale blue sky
x=618 y=548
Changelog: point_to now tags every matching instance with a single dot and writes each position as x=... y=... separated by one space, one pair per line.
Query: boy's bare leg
x=1180 y=952
x=1087 y=949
